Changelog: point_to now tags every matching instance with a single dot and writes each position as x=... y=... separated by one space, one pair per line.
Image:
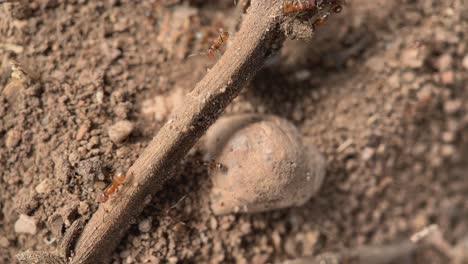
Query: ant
x=218 y=44
x=215 y=166
x=290 y=7
x=117 y=180
x=214 y=48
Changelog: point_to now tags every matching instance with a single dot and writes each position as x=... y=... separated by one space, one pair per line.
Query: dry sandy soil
x=382 y=91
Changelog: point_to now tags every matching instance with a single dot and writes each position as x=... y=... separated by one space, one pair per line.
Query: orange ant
x=214 y=165
x=117 y=180
x=218 y=44
x=220 y=41
x=289 y=7
x=320 y=21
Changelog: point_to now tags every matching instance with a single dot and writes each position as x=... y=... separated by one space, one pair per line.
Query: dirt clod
x=4 y=242
x=120 y=131
x=465 y=62
x=26 y=225
x=44 y=187
x=265 y=165
x=452 y=106
x=162 y=106
x=144 y=226
x=90 y=170
x=13 y=138
x=82 y=132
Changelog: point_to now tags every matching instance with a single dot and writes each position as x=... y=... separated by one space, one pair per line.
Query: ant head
x=337 y=8
x=331 y=5
x=211 y=53
x=103 y=197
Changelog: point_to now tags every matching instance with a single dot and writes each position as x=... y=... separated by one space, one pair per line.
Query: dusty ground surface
x=382 y=91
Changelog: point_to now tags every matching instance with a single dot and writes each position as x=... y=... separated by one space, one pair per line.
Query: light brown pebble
x=448 y=137
x=13 y=138
x=173 y=259
x=4 y=242
x=465 y=62
x=411 y=58
x=447 y=77
x=444 y=62
x=13 y=90
x=44 y=187
x=213 y=223
x=367 y=154
x=82 y=132
x=120 y=131
x=145 y=225
x=83 y=208
x=129 y=260
x=25 y=225
x=448 y=150
x=452 y=106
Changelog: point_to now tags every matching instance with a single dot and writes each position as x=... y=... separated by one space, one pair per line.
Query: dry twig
x=262 y=32
x=428 y=238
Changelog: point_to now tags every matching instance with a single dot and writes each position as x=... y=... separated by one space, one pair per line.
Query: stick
x=262 y=32
x=253 y=43
x=429 y=238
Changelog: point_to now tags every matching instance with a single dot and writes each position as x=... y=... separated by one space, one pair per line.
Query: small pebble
x=145 y=225
x=448 y=137
x=44 y=187
x=448 y=150
x=129 y=260
x=447 y=77
x=13 y=137
x=465 y=62
x=444 y=62
x=83 y=208
x=124 y=254
x=367 y=154
x=302 y=75
x=82 y=132
x=408 y=76
x=213 y=223
x=4 y=242
x=452 y=106
x=173 y=260
x=90 y=170
x=99 y=97
x=376 y=63
x=120 y=131
x=25 y=225
x=411 y=58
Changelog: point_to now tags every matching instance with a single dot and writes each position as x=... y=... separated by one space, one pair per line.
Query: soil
x=382 y=92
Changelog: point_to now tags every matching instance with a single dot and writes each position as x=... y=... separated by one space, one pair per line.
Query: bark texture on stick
x=258 y=33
